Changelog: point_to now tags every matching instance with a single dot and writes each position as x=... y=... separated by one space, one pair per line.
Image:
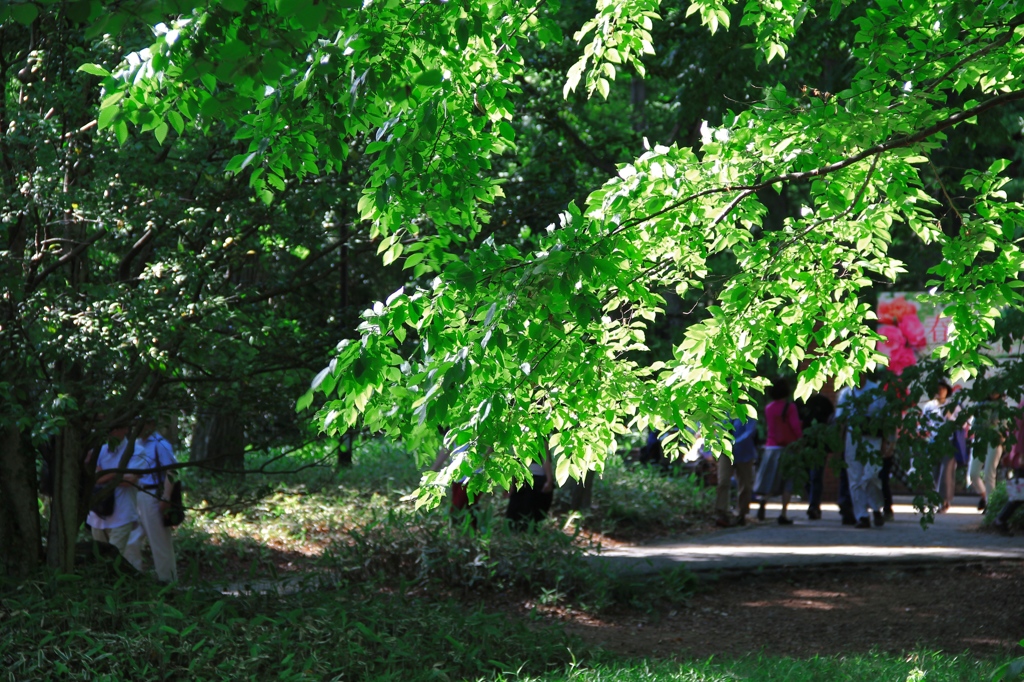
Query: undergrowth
x=632 y=497
x=101 y=625
x=997 y=499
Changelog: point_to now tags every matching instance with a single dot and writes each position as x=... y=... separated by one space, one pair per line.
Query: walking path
x=953 y=537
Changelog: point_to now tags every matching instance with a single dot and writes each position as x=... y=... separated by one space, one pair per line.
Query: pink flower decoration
x=900 y=359
x=913 y=330
x=893 y=339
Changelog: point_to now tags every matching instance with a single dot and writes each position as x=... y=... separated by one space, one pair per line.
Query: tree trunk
x=218 y=440
x=66 y=513
x=20 y=541
x=582 y=493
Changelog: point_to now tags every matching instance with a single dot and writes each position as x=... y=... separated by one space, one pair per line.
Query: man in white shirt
x=121 y=529
x=154 y=497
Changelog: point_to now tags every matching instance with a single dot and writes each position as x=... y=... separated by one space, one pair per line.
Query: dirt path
x=978 y=608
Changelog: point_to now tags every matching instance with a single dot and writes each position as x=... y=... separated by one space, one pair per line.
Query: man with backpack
x=154 y=498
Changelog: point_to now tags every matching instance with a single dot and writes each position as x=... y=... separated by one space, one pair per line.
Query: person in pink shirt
x=783 y=425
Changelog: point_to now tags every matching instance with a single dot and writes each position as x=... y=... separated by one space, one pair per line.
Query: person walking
x=154 y=498
x=984 y=476
x=1015 y=462
x=818 y=410
x=744 y=452
x=121 y=527
x=783 y=425
x=859 y=406
x=935 y=412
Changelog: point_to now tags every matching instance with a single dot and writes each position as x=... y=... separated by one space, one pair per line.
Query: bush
x=997 y=499
x=442 y=555
x=637 y=496
x=427 y=549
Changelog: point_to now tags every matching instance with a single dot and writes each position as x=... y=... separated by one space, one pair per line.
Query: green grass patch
x=917 y=667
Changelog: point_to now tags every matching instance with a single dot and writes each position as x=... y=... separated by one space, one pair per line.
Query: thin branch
x=63 y=260
x=999 y=42
x=831 y=219
x=942 y=186
x=897 y=143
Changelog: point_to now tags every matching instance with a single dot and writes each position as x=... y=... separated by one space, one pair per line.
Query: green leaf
x=160 y=132
x=176 y=121
x=107 y=117
x=430 y=78
x=506 y=130
x=462 y=33
x=112 y=99
x=94 y=69
x=25 y=13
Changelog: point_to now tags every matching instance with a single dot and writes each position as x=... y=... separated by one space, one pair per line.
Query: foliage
x=138 y=278
x=1011 y=670
x=997 y=499
x=428 y=550
x=520 y=346
x=101 y=624
x=644 y=498
x=514 y=347
x=357 y=524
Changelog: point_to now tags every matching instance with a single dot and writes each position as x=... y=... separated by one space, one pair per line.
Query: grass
x=917 y=667
x=102 y=625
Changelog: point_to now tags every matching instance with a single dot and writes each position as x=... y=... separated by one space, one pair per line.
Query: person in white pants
x=865 y=485
x=154 y=497
x=121 y=529
x=983 y=476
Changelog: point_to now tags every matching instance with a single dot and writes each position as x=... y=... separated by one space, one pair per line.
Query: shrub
x=637 y=496
x=997 y=499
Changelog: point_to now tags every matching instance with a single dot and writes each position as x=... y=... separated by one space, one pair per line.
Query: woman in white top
x=121 y=528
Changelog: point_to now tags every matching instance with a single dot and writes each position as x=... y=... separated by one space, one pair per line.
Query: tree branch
x=875 y=150
x=63 y=260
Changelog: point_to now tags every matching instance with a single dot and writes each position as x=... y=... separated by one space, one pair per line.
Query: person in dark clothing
x=818 y=410
x=530 y=503
x=845 y=500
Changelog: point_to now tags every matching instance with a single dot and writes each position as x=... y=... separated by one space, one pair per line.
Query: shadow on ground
x=805 y=612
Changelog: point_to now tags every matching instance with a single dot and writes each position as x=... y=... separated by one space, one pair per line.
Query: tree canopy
x=510 y=342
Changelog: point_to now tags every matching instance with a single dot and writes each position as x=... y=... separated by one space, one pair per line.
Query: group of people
x=528 y=501
x=865 y=497
x=785 y=423
x=139 y=500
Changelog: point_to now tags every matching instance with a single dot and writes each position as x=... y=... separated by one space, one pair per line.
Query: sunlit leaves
x=507 y=344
